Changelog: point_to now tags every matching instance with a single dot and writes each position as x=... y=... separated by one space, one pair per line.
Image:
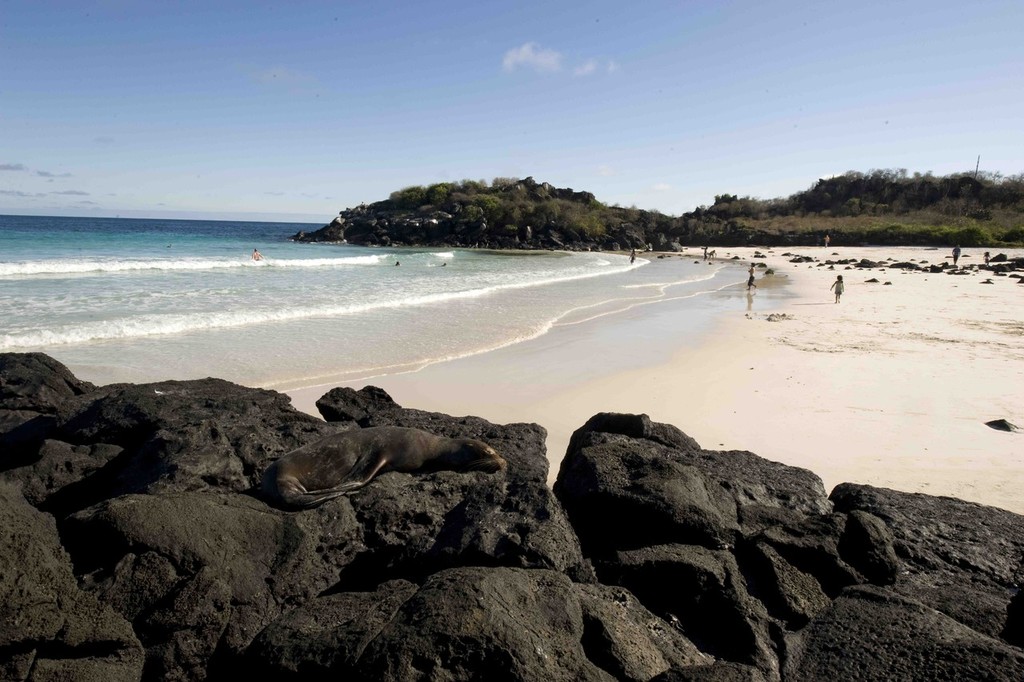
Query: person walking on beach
x=256 y=255
x=827 y=240
x=838 y=286
x=632 y=256
x=750 y=279
x=705 y=253
x=987 y=258
x=956 y=254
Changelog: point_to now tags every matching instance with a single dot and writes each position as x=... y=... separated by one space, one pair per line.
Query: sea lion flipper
x=309 y=500
x=361 y=475
x=355 y=480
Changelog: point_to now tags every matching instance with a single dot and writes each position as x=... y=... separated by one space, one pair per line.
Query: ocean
x=138 y=300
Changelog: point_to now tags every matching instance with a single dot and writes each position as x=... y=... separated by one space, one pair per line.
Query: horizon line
x=156 y=214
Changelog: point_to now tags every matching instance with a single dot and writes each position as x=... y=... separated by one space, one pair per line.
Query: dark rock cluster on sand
x=134 y=547
x=999 y=265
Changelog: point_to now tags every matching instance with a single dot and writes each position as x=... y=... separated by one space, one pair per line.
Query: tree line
x=880 y=206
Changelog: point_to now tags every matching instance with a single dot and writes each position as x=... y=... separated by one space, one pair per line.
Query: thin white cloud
x=662 y=187
x=604 y=170
x=13 y=167
x=613 y=66
x=73 y=193
x=48 y=174
x=532 y=56
x=587 y=68
x=19 y=193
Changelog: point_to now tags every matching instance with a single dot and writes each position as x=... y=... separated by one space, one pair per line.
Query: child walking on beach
x=838 y=286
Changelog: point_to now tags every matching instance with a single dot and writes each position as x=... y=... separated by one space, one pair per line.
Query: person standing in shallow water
x=838 y=286
x=750 y=280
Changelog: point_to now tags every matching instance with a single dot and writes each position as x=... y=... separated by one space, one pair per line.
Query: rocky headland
x=883 y=207
x=135 y=546
x=459 y=221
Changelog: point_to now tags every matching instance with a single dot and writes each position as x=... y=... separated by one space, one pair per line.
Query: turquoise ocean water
x=145 y=300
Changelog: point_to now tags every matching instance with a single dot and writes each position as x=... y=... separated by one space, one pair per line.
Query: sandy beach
x=890 y=387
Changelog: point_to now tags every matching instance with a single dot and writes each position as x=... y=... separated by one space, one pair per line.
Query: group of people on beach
x=839 y=286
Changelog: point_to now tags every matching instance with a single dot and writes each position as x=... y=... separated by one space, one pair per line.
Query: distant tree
x=409 y=197
x=439 y=193
x=489 y=204
x=471 y=186
x=471 y=214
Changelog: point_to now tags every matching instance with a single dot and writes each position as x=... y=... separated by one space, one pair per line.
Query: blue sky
x=296 y=110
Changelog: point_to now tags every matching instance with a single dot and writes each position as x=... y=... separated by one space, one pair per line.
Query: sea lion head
x=476 y=455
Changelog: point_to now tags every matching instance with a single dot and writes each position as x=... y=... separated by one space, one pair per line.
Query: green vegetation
x=505 y=204
x=879 y=207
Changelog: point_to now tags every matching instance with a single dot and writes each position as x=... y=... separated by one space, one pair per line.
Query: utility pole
x=976 y=166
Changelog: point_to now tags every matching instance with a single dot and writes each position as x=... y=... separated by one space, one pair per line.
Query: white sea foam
x=59 y=268
x=695 y=277
x=177 y=323
x=107 y=296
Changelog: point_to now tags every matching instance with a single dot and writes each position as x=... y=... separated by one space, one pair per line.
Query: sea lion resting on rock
x=347 y=461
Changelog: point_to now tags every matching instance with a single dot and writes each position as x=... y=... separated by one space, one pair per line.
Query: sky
x=296 y=110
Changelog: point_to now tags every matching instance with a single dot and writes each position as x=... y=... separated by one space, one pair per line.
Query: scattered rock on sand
x=1002 y=425
x=905 y=266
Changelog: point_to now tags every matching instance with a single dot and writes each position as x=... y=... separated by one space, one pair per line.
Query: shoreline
x=516 y=383
x=891 y=387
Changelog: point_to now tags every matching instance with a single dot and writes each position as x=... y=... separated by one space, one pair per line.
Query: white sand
x=891 y=387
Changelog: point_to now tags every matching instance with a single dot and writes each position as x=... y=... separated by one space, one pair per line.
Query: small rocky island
x=134 y=546
x=513 y=214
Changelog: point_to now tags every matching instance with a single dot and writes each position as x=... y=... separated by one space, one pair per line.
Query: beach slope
x=892 y=386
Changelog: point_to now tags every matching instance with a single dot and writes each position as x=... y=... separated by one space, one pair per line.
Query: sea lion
x=347 y=461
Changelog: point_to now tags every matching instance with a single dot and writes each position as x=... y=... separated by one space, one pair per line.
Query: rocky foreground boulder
x=135 y=546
